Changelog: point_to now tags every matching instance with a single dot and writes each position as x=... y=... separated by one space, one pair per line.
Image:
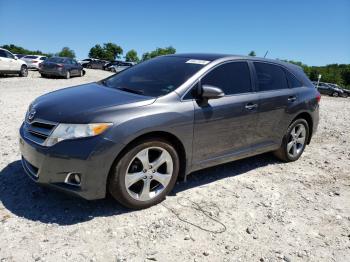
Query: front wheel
x=24 y=71
x=335 y=94
x=67 y=76
x=145 y=174
x=294 y=141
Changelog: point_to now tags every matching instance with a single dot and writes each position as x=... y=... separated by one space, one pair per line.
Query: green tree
x=131 y=56
x=20 y=50
x=109 y=51
x=96 y=52
x=252 y=53
x=66 y=52
x=158 y=52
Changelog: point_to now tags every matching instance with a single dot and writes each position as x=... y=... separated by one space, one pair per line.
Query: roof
x=212 y=57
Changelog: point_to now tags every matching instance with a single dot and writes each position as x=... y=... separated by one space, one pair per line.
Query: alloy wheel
x=149 y=173
x=296 y=141
x=24 y=71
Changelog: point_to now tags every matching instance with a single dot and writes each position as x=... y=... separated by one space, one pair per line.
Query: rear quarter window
x=293 y=82
x=270 y=77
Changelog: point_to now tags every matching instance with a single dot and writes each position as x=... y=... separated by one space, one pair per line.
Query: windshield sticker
x=198 y=62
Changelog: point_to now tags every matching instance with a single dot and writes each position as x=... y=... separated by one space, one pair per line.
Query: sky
x=315 y=32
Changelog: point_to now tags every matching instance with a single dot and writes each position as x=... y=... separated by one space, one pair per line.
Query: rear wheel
x=294 y=141
x=81 y=73
x=24 y=71
x=145 y=174
x=43 y=75
x=335 y=94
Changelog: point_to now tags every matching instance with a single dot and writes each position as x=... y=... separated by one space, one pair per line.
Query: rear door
x=276 y=102
x=225 y=128
x=4 y=61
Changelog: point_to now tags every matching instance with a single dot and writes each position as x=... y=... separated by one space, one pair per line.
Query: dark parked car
x=328 y=89
x=134 y=133
x=95 y=64
x=61 y=66
x=345 y=92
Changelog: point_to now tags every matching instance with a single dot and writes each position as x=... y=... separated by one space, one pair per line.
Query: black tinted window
x=9 y=55
x=55 y=60
x=3 y=53
x=232 y=78
x=270 y=77
x=292 y=81
x=31 y=56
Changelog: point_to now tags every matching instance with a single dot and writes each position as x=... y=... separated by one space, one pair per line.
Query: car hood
x=84 y=103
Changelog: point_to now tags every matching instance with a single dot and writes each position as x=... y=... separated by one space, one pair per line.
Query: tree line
x=333 y=73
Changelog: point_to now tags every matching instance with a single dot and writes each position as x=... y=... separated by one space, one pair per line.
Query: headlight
x=71 y=131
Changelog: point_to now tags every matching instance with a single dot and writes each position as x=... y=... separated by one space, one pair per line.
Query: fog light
x=73 y=179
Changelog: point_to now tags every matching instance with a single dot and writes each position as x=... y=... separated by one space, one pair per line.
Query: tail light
x=318 y=97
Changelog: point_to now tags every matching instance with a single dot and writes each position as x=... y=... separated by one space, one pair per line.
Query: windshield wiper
x=130 y=90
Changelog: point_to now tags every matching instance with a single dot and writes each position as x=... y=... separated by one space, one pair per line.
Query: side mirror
x=15 y=57
x=211 y=92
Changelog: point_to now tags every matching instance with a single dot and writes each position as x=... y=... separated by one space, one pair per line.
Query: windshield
x=56 y=60
x=155 y=77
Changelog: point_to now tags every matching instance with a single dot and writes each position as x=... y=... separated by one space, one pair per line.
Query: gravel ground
x=257 y=209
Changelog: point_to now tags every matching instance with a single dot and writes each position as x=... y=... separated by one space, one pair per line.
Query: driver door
x=225 y=128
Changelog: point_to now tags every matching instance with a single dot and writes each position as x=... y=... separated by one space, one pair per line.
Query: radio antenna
x=266 y=53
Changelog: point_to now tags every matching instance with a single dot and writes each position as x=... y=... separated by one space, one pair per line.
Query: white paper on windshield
x=198 y=62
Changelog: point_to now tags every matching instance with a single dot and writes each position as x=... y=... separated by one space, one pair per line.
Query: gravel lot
x=257 y=209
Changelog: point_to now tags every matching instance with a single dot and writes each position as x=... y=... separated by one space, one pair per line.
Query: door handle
x=251 y=106
x=292 y=98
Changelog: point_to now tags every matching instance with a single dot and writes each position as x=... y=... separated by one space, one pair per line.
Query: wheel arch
x=307 y=116
x=169 y=137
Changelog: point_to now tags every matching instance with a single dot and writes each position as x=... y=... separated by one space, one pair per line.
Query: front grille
x=38 y=130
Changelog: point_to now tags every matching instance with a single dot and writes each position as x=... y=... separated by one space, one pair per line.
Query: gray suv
x=135 y=133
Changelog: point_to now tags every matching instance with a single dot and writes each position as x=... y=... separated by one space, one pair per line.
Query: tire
x=81 y=73
x=43 y=75
x=284 y=153
x=68 y=75
x=335 y=94
x=130 y=169
x=24 y=71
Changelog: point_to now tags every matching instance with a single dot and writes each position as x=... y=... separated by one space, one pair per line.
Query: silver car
x=33 y=61
x=120 y=66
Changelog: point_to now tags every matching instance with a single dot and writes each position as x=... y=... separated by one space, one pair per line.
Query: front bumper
x=49 y=166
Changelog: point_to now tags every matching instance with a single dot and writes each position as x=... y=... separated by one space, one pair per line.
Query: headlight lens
x=71 y=131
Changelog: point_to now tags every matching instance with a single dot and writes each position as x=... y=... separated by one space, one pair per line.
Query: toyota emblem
x=31 y=114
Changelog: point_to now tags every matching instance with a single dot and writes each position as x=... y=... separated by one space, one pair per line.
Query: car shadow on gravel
x=24 y=198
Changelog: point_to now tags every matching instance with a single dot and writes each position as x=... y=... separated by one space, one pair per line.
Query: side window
x=3 y=53
x=292 y=81
x=232 y=78
x=9 y=55
x=270 y=77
